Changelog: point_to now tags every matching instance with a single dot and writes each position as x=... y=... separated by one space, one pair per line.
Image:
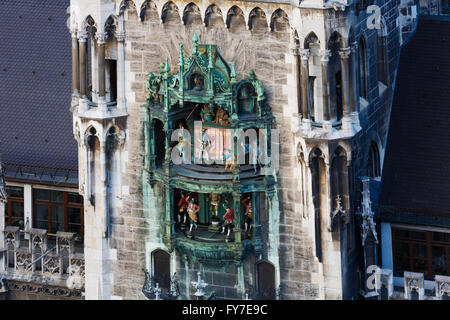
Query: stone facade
x=123 y=218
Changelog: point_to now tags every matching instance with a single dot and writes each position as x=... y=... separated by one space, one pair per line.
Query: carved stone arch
x=257 y=18
x=148 y=7
x=235 y=16
x=89 y=24
x=317 y=151
x=279 y=21
x=310 y=39
x=211 y=12
x=111 y=26
x=127 y=4
x=191 y=13
x=92 y=130
x=343 y=147
x=336 y=39
x=169 y=11
x=300 y=153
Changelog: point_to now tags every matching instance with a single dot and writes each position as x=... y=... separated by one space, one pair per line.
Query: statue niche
x=246 y=99
x=196 y=82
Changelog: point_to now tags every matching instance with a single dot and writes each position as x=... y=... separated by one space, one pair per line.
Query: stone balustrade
x=36 y=259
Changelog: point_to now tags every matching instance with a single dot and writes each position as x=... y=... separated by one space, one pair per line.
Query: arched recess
x=374 y=163
x=363 y=71
x=170 y=13
x=318 y=179
x=111 y=75
x=279 y=22
x=127 y=4
x=257 y=20
x=312 y=43
x=213 y=16
x=335 y=43
x=382 y=59
x=87 y=75
x=339 y=179
x=113 y=141
x=265 y=280
x=247 y=103
x=93 y=161
x=161 y=269
x=149 y=12
x=192 y=15
x=236 y=19
x=159 y=147
x=303 y=178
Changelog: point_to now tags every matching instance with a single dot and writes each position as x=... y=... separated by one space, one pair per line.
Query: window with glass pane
x=59 y=211
x=421 y=251
x=14 y=213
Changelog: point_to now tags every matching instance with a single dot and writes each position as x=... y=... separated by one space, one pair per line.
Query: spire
x=181 y=58
x=210 y=58
x=195 y=40
x=167 y=66
x=233 y=73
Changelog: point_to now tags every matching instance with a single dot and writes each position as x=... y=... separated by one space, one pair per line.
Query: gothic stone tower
x=319 y=72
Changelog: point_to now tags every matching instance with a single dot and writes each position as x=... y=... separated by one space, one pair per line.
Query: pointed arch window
x=161 y=269
x=362 y=62
x=374 y=169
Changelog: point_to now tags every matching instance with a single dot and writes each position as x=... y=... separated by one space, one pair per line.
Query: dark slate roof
x=416 y=173
x=35 y=84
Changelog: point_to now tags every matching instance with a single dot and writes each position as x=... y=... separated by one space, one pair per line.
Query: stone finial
x=368 y=226
x=83 y=36
x=345 y=52
x=101 y=37
x=304 y=53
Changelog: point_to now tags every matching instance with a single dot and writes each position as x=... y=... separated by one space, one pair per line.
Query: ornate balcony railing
x=31 y=259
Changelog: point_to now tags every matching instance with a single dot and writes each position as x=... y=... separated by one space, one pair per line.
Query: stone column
x=297 y=75
x=75 y=65
x=346 y=121
x=354 y=90
x=82 y=39
x=121 y=81
x=326 y=89
x=101 y=40
x=304 y=72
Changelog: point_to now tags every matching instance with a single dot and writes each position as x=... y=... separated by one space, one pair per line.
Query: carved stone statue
x=197 y=82
x=228 y=219
x=205 y=143
x=192 y=211
x=181 y=142
x=182 y=208
x=206 y=114
x=248 y=213
x=214 y=205
x=222 y=117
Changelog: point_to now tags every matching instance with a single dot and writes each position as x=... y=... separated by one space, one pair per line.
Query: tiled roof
x=416 y=174
x=35 y=84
